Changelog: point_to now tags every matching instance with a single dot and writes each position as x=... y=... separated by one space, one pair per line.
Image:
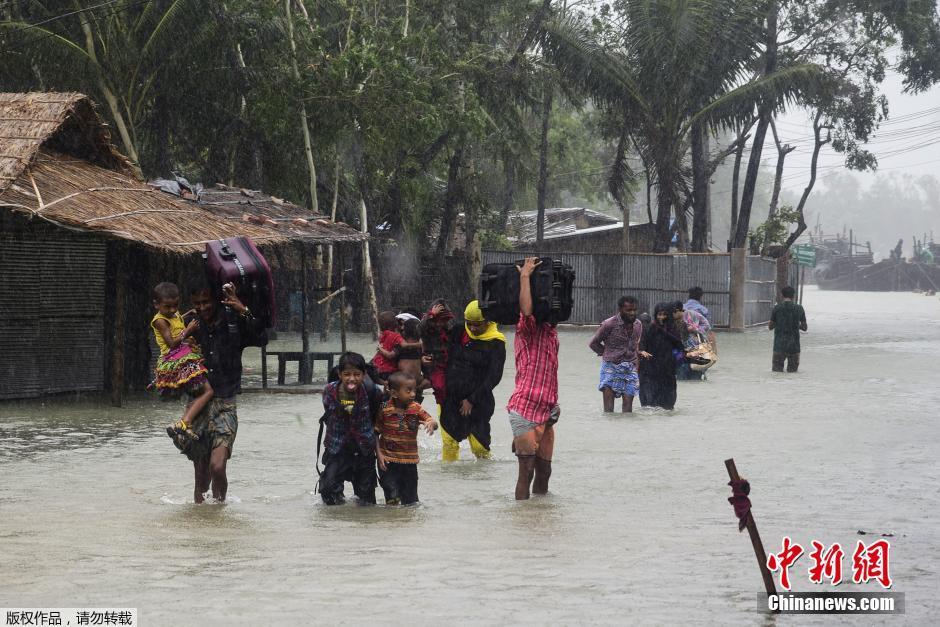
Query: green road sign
x=805 y=255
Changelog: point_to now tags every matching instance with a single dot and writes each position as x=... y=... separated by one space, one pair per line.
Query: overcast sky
x=908 y=142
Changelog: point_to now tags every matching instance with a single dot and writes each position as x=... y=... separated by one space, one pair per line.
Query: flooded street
x=95 y=504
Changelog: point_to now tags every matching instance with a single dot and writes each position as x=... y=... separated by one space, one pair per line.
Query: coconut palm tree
x=671 y=66
x=121 y=47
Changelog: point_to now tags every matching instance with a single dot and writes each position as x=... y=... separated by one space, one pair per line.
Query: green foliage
x=491 y=240
x=774 y=230
x=207 y=89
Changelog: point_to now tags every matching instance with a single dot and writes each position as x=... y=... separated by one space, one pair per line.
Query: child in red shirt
x=386 y=359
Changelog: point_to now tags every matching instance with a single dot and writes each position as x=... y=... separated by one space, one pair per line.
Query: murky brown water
x=94 y=504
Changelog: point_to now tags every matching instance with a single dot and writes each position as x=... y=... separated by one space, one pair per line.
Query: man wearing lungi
x=617 y=342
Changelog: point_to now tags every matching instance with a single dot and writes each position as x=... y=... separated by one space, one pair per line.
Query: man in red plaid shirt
x=533 y=406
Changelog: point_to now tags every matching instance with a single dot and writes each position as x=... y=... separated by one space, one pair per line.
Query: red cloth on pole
x=738 y=499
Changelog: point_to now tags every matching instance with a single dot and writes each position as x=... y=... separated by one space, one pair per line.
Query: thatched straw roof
x=256 y=208
x=57 y=164
x=64 y=122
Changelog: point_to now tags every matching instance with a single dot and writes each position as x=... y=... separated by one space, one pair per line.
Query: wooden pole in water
x=305 y=374
x=342 y=313
x=120 y=325
x=802 y=281
x=755 y=537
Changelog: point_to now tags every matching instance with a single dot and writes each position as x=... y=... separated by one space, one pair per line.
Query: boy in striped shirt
x=397 y=444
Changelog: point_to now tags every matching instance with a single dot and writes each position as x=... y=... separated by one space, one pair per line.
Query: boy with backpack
x=350 y=405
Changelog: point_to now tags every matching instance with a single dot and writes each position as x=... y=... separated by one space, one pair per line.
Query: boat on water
x=845 y=265
x=889 y=275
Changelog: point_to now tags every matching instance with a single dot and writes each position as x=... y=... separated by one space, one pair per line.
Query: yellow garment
x=450 y=448
x=478 y=449
x=473 y=313
x=177 y=326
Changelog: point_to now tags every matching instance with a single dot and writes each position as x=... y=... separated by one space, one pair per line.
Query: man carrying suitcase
x=533 y=407
x=224 y=330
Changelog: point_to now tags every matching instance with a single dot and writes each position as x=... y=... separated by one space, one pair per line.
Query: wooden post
x=476 y=264
x=342 y=317
x=264 y=367
x=782 y=278
x=738 y=279
x=802 y=282
x=304 y=366
x=755 y=537
x=120 y=325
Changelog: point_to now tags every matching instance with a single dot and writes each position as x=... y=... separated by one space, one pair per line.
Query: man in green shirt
x=786 y=321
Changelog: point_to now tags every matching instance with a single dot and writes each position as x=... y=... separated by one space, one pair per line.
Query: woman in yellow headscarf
x=476 y=356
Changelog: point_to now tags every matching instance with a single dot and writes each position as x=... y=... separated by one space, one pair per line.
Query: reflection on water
x=96 y=507
x=29 y=428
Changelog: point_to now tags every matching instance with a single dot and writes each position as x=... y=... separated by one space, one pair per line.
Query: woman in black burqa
x=476 y=355
x=657 y=359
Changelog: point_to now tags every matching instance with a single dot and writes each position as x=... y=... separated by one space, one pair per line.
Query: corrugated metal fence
x=760 y=290
x=51 y=316
x=600 y=279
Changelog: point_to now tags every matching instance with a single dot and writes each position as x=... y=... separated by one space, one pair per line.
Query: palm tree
x=673 y=66
x=120 y=47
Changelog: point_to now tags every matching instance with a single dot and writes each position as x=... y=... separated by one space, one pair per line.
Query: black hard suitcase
x=551 y=284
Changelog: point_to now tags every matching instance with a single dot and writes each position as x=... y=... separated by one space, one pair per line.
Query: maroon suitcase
x=237 y=260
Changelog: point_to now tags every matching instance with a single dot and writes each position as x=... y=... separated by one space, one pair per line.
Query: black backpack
x=376 y=397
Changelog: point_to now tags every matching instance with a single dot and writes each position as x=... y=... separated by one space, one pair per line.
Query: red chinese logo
x=871 y=563
x=826 y=565
x=783 y=560
x=868 y=562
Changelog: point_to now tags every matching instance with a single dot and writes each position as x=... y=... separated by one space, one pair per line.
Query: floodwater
x=95 y=511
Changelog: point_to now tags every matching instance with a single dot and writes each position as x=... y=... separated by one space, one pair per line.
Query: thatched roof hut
x=82 y=240
x=57 y=164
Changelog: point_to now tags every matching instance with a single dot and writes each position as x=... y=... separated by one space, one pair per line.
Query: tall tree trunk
x=817 y=146
x=735 y=176
x=765 y=114
x=782 y=152
x=700 y=178
x=304 y=125
x=330 y=252
x=543 y=165
x=451 y=198
x=404 y=28
x=665 y=201
x=509 y=191
x=649 y=180
x=367 y=277
x=109 y=98
x=617 y=183
x=681 y=226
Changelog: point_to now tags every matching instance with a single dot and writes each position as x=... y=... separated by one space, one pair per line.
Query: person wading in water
x=617 y=343
x=223 y=333
x=475 y=362
x=533 y=407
